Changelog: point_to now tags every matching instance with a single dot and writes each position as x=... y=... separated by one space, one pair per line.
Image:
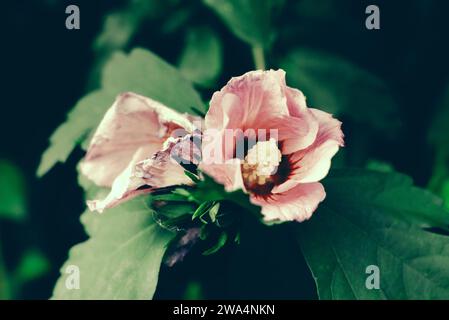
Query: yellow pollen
x=261 y=162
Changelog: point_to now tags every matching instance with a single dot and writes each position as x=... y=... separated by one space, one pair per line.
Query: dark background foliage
x=47 y=68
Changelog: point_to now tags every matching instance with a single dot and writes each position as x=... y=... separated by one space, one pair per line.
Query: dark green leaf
x=251 y=21
x=378 y=165
x=374 y=218
x=175 y=209
x=192 y=176
x=204 y=232
x=208 y=190
x=201 y=60
x=337 y=86
x=202 y=209
x=13 y=204
x=220 y=243
x=193 y=291
x=119 y=28
x=168 y=197
x=32 y=266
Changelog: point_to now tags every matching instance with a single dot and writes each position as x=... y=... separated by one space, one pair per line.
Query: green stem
x=440 y=173
x=259 y=58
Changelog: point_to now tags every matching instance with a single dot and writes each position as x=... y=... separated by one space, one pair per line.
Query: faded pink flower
x=281 y=174
x=130 y=151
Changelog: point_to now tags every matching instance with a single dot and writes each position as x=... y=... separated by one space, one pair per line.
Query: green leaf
x=378 y=165
x=169 y=197
x=120 y=26
x=121 y=260
x=32 y=266
x=192 y=176
x=209 y=190
x=201 y=60
x=176 y=209
x=214 y=211
x=145 y=73
x=337 y=86
x=202 y=209
x=251 y=21
x=13 y=204
x=141 y=72
x=194 y=291
x=223 y=238
x=204 y=232
x=374 y=218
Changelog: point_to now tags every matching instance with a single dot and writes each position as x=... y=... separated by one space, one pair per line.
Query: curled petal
x=296 y=204
x=313 y=163
x=142 y=177
x=164 y=169
x=296 y=101
x=124 y=187
x=133 y=122
x=295 y=133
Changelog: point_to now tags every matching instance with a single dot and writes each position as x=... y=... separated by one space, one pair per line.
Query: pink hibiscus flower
x=281 y=171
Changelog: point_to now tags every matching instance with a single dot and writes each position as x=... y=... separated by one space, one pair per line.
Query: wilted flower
x=130 y=151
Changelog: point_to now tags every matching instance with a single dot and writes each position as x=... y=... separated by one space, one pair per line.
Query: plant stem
x=259 y=57
x=440 y=173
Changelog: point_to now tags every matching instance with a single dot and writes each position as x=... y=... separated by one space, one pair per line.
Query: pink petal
x=133 y=122
x=295 y=133
x=248 y=99
x=296 y=101
x=123 y=188
x=313 y=163
x=228 y=174
x=142 y=177
x=296 y=204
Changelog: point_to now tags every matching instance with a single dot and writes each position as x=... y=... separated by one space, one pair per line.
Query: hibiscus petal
x=295 y=133
x=296 y=101
x=131 y=123
x=228 y=174
x=313 y=163
x=124 y=187
x=296 y=204
x=247 y=100
x=142 y=177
